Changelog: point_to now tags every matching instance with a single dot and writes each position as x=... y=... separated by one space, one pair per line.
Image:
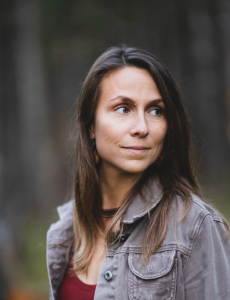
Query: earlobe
x=91 y=131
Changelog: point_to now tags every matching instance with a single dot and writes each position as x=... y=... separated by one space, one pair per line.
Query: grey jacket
x=193 y=262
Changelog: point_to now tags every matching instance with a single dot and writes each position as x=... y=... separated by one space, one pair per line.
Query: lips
x=136 y=149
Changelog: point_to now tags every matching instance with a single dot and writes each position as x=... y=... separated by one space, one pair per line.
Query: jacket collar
x=141 y=206
x=66 y=210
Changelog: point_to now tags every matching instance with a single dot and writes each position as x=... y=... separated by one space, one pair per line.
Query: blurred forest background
x=46 y=49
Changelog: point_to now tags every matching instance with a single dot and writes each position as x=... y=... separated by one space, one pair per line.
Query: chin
x=134 y=168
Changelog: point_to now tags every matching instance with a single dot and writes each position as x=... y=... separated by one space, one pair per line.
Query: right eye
x=122 y=110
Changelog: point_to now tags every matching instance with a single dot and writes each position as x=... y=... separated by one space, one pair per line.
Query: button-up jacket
x=192 y=263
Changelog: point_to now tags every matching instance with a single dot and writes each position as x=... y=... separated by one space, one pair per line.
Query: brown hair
x=175 y=170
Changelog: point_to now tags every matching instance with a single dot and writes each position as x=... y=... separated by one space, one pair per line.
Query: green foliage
x=33 y=254
x=218 y=195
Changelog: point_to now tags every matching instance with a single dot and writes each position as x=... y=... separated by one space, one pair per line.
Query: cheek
x=159 y=133
x=107 y=133
x=158 y=136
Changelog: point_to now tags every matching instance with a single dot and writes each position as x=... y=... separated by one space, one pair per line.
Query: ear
x=91 y=131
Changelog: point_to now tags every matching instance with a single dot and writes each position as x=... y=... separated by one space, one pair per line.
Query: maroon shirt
x=72 y=288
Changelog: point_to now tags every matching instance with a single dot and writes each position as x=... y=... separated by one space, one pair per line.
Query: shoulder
x=63 y=228
x=199 y=210
x=204 y=217
x=205 y=209
x=200 y=220
x=209 y=224
x=207 y=220
x=59 y=244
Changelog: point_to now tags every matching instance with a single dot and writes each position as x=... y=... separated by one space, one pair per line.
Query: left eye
x=155 y=112
x=122 y=110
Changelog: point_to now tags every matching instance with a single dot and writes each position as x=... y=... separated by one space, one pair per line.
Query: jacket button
x=55 y=266
x=108 y=275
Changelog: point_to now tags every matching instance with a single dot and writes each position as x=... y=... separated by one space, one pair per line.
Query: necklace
x=109 y=213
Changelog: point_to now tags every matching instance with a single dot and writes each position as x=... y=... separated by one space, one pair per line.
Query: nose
x=139 y=126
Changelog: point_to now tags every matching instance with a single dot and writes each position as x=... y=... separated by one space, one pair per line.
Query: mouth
x=136 y=149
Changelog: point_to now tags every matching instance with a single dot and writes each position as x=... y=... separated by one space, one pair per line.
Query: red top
x=72 y=288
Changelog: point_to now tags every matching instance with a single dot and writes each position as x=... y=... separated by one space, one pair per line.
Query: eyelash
x=124 y=106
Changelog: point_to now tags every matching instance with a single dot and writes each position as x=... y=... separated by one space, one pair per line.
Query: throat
x=109 y=213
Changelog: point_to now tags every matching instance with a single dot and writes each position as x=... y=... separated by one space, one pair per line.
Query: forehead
x=131 y=82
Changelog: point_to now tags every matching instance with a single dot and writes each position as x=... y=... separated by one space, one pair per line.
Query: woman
x=138 y=228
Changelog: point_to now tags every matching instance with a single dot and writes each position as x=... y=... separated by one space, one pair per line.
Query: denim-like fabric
x=193 y=262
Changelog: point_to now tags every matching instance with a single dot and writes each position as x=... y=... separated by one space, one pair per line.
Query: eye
x=122 y=110
x=156 y=111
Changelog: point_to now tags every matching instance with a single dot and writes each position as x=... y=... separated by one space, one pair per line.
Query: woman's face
x=130 y=124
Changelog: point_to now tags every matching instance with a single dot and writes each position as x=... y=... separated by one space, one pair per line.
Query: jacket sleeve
x=207 y=271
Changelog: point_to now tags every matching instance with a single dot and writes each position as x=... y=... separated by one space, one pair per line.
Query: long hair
x=175 y=170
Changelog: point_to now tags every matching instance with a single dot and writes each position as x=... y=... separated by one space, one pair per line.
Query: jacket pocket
x=154 y=281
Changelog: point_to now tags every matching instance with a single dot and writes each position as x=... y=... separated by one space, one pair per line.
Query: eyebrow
x=124 y=99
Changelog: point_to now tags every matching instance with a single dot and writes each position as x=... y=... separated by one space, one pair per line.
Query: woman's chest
x=125 y=276
x=98 y=257
x=122 y=273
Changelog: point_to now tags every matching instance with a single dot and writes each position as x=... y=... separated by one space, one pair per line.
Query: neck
x=114 y=185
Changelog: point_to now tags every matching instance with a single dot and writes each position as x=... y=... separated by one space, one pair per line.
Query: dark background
x=46 y=49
